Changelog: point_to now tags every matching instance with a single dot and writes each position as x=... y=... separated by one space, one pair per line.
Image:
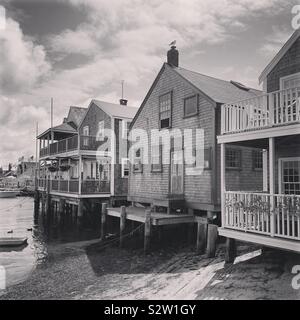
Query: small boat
x=12 y=242
x=8 y=194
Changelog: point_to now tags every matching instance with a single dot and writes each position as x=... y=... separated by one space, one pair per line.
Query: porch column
x=223 y=184
x=80 y=174
x=272 y=183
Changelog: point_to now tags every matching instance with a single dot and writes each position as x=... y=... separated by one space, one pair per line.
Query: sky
x=78 y=50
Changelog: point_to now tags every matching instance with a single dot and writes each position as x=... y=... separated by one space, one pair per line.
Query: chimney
x=123 y=102
x=65 y=120
x=173 y=56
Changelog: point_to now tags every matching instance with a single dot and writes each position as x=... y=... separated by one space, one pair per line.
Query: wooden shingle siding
x=289 y=64
x=152 y=185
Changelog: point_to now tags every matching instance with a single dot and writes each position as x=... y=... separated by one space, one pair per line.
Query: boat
x=8 y=194
x=12 y=242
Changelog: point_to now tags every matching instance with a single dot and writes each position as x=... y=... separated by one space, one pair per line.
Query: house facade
x=179 y=101
x=272 y=122
x=81 y=160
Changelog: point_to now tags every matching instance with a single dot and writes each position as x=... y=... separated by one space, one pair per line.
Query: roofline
x=279 y=55
x=49 y=130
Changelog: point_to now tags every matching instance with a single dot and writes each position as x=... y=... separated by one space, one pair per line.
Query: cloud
x=275 y=41
x=23 y=63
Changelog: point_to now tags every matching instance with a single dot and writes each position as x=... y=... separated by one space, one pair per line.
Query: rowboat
x=12 y=242
x=8 y=194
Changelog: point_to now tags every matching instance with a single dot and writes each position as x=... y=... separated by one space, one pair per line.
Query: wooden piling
x=201 y=238
x=147 y=235
x=103 y=220
x=230 y=250
x=122 y=225
x=212 y=236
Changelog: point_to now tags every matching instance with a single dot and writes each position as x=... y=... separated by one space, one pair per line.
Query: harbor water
x=17 y=220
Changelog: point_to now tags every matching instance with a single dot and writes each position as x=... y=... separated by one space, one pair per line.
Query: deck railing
x=72 y=186
x=272 y=109
x=273 y=215
x=89 y=143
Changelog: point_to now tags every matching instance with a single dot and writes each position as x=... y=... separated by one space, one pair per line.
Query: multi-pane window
x=137 y=161
x=291 y=177
x=233 y=158
x=291 y=81
x=257 y=159
x=202 y=158
x=190 y=106
x=165 y=108
x=125 y=129
x=100 y=135
x=156 y=158
x=125 y=168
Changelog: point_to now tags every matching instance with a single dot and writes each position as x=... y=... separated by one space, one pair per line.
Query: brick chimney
x=123 y=102
x=173 y=57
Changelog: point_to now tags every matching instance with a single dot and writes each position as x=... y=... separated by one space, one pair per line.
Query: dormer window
x=165 y=109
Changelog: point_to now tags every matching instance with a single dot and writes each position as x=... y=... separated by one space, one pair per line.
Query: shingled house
x=272 y=122
x=184 y=99
x=81 y=164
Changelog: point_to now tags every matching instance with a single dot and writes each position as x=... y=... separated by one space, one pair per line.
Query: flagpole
x=36 y=154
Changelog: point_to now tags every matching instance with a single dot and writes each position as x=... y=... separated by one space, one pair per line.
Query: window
x=291 y=81
x=165 y=108
x=156 y=158
x=202 y=161
x=100 y=134
x=125 y=168
x=290 y=180
x=137 y=164
x=191 y=106
x=104 y=171
x=233 y=158
x=257 y=159
x=125 y=129
x=86 y=132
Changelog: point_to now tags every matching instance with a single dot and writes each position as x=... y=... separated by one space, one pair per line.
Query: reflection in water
x=41 y=231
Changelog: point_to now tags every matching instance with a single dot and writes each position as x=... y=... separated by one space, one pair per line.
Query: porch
x=270 y=216
x=269 y=110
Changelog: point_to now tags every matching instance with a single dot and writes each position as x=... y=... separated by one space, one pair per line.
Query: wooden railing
x=72 y=186
x=276 y=108
x=61 y=146
x=262 y=213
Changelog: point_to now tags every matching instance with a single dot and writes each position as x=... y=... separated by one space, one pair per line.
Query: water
x=18 y=215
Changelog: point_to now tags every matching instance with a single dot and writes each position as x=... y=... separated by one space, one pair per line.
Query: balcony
x=88 y=143
x=268 y=110
x=72 y=186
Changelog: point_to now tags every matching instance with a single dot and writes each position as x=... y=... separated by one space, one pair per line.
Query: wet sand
x=89 y=271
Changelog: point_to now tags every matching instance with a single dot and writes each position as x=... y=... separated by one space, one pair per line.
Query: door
x=290 y=176
x=176 y=172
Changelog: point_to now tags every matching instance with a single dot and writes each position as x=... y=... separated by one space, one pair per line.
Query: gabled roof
x=279 y=55
x=61 y=128
x=76 y=114
x=221 y=91
x=116 y=110
x=217 y=90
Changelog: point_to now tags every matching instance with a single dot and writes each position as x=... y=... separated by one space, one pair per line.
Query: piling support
x=230 y=250
x=212 y=236
x=122 y=225
x=147 y=235
x=103 y=220
x=201 y=238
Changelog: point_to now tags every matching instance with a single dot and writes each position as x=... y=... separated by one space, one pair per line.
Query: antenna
x=122 y=84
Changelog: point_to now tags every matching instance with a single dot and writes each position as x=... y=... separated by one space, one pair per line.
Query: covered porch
x=270 y=215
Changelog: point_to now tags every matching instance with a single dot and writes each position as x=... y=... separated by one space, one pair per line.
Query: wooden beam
x=212 y=236
x=230 y=250
x=223 y=182
x=201 y=237
x=122 y=225
x=103 y=220
x=147 y=236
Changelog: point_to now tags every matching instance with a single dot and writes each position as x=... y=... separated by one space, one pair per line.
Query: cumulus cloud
x=23 y=63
